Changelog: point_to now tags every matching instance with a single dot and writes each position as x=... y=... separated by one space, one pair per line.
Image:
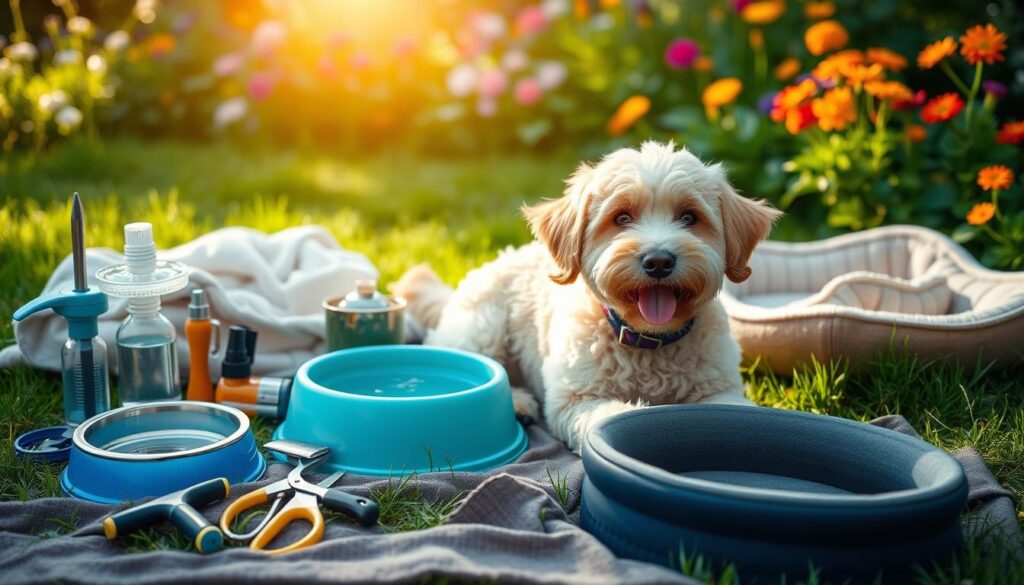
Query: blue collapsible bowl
x=398 y=409
x=154 y=449
x=772 y=491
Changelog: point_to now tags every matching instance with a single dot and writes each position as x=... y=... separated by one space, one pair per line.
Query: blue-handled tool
x=179 y=508
x=84 y=355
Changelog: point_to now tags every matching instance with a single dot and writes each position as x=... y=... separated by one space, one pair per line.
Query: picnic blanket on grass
x=510 y=528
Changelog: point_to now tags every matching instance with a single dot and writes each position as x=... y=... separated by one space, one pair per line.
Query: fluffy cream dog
x=615 y=306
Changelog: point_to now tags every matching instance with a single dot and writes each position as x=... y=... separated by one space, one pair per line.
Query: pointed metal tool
x=82 y=285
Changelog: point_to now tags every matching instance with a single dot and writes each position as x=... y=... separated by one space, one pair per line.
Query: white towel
x=274 y=284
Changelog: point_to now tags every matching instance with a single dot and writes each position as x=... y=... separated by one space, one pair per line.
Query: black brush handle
x=362 y=509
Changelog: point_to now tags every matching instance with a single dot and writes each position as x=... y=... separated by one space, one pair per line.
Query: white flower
x=489 y=25
x=145 y=10
x=554 y=8
x=230 y=111
x=22 y=52
x=68 y=119
x=53 y=101
x=551 y=74
x=97 y=64
x=602 y=21
x=117 y=41
x=515 y=60
x=268 y=37
x=462 y=80
x=67 y=57
x=79 y=25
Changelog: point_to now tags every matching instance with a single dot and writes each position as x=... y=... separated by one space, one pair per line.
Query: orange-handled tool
x=199 y=329
x=304 y=505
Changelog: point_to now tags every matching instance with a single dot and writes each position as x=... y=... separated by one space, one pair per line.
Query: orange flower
x=631 y=110
x=787 y=69
x=942 y=108
x=756 y=39
x=704 y=64
x=890 y=60
x=934 y=53
x=995 y=177
x=721 y=92
x=859 y=74
x=1011 y=133
x=834 y=109
x=799 y=119
x=825 y=36
x=829 y=68
x=983 y=43
x=916 y=133
x=981 y=213
x=160 y=44
x=893 y=91
x=792 y=97
x=819 y=10
x=763 y=11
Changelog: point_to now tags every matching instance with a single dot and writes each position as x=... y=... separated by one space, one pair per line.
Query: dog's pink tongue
x=657 y=304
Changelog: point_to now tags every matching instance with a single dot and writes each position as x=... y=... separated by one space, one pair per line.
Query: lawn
x=400 y=211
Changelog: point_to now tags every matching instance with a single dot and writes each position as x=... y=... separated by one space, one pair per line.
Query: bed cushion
x=852 y=295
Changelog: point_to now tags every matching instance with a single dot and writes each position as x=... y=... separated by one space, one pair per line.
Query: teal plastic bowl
x=398 y=409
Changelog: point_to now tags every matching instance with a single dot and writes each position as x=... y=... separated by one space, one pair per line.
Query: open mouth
x=657 y=303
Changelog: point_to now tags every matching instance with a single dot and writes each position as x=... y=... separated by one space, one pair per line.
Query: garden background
x=414 y=129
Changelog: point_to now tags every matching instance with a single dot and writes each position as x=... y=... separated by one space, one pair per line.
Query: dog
x=614 y=306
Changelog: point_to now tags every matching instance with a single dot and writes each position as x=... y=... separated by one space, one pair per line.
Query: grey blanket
x=510 y=528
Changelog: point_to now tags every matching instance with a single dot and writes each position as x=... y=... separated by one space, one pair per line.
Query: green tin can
x=364 y=317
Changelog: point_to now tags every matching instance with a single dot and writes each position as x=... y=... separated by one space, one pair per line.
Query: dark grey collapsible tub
x=771 y=491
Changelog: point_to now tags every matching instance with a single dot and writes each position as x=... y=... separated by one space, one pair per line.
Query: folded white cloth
x=274 y=284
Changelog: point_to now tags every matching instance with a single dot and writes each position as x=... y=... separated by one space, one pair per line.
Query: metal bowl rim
x=79 y=441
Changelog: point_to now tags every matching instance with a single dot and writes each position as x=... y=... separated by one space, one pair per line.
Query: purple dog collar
x=629 y=336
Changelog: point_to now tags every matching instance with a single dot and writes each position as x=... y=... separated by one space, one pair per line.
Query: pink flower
x=268 y=37
x=681 y=53
x=551 y=74
x=325 y=65
x=228 y=65
x=492 y=83
x=531 y=20
x=260 y=86
x=405 y=46
x=528 y=91
x=486 y=107
x=739 y=5
x=360 y=60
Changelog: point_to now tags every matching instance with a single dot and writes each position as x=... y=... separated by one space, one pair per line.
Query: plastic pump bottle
x=146 y=354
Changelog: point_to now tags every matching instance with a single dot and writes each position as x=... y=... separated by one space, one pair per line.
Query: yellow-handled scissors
x=304 y=505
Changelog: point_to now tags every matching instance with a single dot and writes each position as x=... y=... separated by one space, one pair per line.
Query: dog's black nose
x=658 y=264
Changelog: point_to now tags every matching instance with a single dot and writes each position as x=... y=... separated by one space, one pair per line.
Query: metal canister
x=364 y=317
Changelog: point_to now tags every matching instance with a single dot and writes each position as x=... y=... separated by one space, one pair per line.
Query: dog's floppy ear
x=561 y=224
x=746 y=223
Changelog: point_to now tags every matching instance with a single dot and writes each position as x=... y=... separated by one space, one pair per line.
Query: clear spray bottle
x=147 y=355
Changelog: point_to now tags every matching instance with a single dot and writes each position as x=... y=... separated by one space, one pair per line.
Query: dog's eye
x=623 y=219
x=687 y=219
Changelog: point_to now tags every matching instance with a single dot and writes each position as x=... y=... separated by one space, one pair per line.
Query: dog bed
x=851 y=295
x=769 y=490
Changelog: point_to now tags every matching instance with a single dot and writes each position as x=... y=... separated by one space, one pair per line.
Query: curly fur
x=537 y=309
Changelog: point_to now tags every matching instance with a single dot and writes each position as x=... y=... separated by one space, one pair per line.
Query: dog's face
x=653 y=232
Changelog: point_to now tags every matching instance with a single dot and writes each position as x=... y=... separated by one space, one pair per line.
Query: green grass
x=401 y=211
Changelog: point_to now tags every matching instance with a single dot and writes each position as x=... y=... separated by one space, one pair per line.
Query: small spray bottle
x=266 y=396
x=199 y=329
x=83 y=357
x=146 y=354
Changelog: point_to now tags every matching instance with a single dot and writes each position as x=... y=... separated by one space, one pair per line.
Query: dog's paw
x=525 y=403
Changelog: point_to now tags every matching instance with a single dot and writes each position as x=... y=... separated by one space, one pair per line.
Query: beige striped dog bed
x=848 y=296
